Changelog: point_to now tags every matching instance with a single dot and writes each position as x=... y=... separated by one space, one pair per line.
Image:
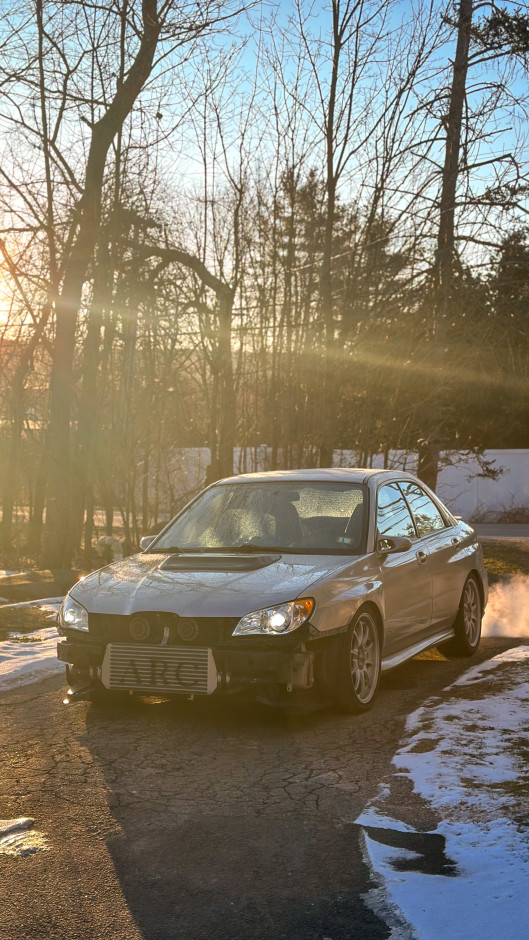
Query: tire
x=359 y=665
x=76 y=676
x=97 y=693
x=467 y=625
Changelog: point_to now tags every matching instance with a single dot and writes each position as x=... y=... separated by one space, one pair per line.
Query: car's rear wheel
x=467 y=625
x=359 y=667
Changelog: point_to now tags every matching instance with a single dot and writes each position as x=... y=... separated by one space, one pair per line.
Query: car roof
x=319 y=475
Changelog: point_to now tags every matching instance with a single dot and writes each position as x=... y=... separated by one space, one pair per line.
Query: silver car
x=281 y=582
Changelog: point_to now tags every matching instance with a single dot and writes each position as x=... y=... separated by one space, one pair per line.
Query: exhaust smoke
x=507 y=612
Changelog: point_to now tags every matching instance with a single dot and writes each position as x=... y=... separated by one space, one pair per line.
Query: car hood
x=139 y=583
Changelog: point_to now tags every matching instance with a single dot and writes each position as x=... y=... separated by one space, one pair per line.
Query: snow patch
x=28 y=657
x=478 y=673
x=487 y=899
x=372 y=819
x=48 y=603
x=473 y=773
x=379 y=899
x=17 y=837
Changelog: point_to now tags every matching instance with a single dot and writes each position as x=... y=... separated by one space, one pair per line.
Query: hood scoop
x=218 y=561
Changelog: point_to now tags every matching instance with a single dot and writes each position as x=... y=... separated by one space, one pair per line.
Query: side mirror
x=146 y=542
x=393 y=544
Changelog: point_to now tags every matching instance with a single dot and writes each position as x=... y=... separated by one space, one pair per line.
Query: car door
x=406 y=576
x=441 y=541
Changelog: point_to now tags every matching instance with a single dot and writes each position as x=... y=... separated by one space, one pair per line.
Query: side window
x=425 y=512
x=393 y=516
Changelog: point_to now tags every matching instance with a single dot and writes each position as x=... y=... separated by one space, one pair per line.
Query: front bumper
x=84 y=655
x=251 y=665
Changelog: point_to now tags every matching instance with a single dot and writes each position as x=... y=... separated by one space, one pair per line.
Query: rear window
x=425 y=513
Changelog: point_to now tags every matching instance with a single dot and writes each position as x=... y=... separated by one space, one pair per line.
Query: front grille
x=182 y=631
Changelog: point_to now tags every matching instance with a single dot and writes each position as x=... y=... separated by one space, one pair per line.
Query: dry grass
x=22 y=620
x=505 y=558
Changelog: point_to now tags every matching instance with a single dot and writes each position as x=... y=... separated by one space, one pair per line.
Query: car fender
x=336 y=608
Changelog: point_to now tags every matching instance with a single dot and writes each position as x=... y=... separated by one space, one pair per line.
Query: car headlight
x=72 y=615
x=281 y=619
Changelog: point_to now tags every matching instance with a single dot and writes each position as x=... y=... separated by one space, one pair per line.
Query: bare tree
x=89 y=65
x=498 y=37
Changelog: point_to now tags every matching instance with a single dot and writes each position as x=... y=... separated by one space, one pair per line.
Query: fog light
x=139 y=628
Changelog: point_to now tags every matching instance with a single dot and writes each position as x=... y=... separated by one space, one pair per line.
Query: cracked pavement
x=192 y=819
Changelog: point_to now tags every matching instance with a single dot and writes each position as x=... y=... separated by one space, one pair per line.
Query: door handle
x=455 y=541
x=422 y=557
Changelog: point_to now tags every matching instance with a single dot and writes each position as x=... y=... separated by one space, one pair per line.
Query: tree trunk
x=226 y=438
x=88 y=415
x=19 y=379
x=57 y=548
x=428 y=464
x=13 y=462
x=445 y=253
x=36 y=520
x=445 y=257
x=328 y=392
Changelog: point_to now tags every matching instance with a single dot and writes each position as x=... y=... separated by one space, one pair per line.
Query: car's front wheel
x=359 y=667
x=467 y=625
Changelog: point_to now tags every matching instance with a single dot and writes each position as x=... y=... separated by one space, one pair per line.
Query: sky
x=255 y=114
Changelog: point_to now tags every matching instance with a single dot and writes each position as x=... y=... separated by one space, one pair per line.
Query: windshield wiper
x=215 y=549
x=251 y=547
x=168 y=551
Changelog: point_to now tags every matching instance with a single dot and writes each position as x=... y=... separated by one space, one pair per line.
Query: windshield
x=304 y=517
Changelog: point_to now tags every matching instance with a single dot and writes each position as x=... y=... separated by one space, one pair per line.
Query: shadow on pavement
x=231 y=819
x=235 y=820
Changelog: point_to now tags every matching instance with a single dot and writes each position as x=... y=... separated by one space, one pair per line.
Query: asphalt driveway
x=199 y=819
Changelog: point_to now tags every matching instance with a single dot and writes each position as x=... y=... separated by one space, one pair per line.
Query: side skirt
x=391 y=661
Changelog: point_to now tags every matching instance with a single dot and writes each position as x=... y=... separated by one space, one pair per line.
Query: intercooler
x=159 y=669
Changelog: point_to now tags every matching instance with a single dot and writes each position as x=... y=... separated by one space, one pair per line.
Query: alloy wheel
x=471 y=612
x=364 y=658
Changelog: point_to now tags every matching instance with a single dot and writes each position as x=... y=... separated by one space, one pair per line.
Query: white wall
x=459 y=486
x=466 y=493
